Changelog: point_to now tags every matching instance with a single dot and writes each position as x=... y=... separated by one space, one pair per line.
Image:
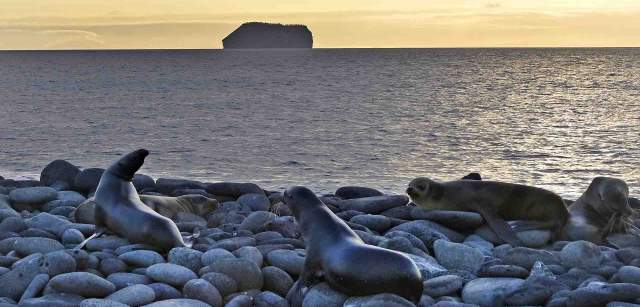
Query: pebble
x=85 y=212
x=383 y=299
x=233 y=189
x=164 y=292
x=28 y=246
x=186 y=257
x=377 y=223
x=83 y=284
x=232 y=244
x=214 y=254
x=58 y=262
x=460 y=220
x=489 y=291
x=255 y=201
x=49 y=222
x=135 y=295
x=141 y=258
x=53 y=300
x=72 y=236
x=18 y=279
x=225 y=284
x=534 y=238
x=527 y=257
x=87 y=180
x=106 y=242
x=71 y=198
x=629 y=274
x=141 y=182
x=443 y=285
x=277 y=280
x=178 y=302
x=35 y=287
x=97 y=302
x=171 y=274
x=429 y=232
x=456 y=256
x=599 y=294
x=503 y=270
x=351 y=192
x=109 y=266
x=122 y=280
x=32 y=196
x=374 y=204
x=241 y=300
x=290 y=261
x=202 y=290
x=256 y=220
x=12 y=224
x=322 y=295
x=59 y=171
x=581 y=254
x=246 y=273
x=250 y=253
x=284 y=225
x=270 y=299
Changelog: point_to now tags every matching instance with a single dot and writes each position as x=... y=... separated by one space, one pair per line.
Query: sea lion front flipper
x=309 y=276
x=499 y=226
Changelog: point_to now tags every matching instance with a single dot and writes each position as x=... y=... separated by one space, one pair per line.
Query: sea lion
x=338 y=256
x=120 y=210
x=170 y=206
x=601 y=210
x=497 y=202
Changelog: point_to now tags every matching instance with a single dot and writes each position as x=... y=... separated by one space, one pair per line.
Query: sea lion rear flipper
x=500 y=227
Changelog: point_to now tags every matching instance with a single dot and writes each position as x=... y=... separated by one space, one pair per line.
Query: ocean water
x=553 y=118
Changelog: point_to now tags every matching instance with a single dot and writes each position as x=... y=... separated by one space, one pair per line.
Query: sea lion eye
x=421 y=187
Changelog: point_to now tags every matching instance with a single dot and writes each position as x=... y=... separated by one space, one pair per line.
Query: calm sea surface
x=553 y=118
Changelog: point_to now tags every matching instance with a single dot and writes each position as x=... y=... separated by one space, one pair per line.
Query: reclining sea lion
x=601 y=210
x=170 y=206
x=337 y=255
x=497 y=202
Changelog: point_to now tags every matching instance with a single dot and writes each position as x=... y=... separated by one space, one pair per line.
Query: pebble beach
x=249 y=251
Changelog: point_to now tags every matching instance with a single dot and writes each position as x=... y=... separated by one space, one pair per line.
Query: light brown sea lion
x=338 y=256
x=497 y=202
x=120 y=210
x=601 y=210
x=170 y=206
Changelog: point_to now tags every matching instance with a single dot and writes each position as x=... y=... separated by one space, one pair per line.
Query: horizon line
x=325 y=48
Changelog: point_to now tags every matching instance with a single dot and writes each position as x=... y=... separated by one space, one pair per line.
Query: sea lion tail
x=129 y=164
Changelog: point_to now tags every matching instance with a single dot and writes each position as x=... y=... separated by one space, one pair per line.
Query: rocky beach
x=249 y=251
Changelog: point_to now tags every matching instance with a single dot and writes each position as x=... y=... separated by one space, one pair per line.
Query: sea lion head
x=419 y=189
x=612 y=196
x=126 y=167
x=300 y=198
x=198 y=204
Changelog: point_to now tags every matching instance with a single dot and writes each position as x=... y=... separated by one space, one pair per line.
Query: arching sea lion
x=495 y=201
x=338 y=256
x=119 y=209
x=602 y=209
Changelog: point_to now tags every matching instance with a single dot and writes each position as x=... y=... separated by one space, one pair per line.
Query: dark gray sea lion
x=120 y=210
x=601 y=210
x=497 y=202
x=170 y=206
x=338 y=256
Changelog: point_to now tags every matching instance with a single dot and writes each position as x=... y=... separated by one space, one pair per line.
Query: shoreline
x=250 y=249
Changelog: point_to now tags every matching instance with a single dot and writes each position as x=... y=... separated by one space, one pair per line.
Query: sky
x=139 y=24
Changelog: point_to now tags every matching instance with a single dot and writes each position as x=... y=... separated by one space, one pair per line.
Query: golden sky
x=83 y=24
